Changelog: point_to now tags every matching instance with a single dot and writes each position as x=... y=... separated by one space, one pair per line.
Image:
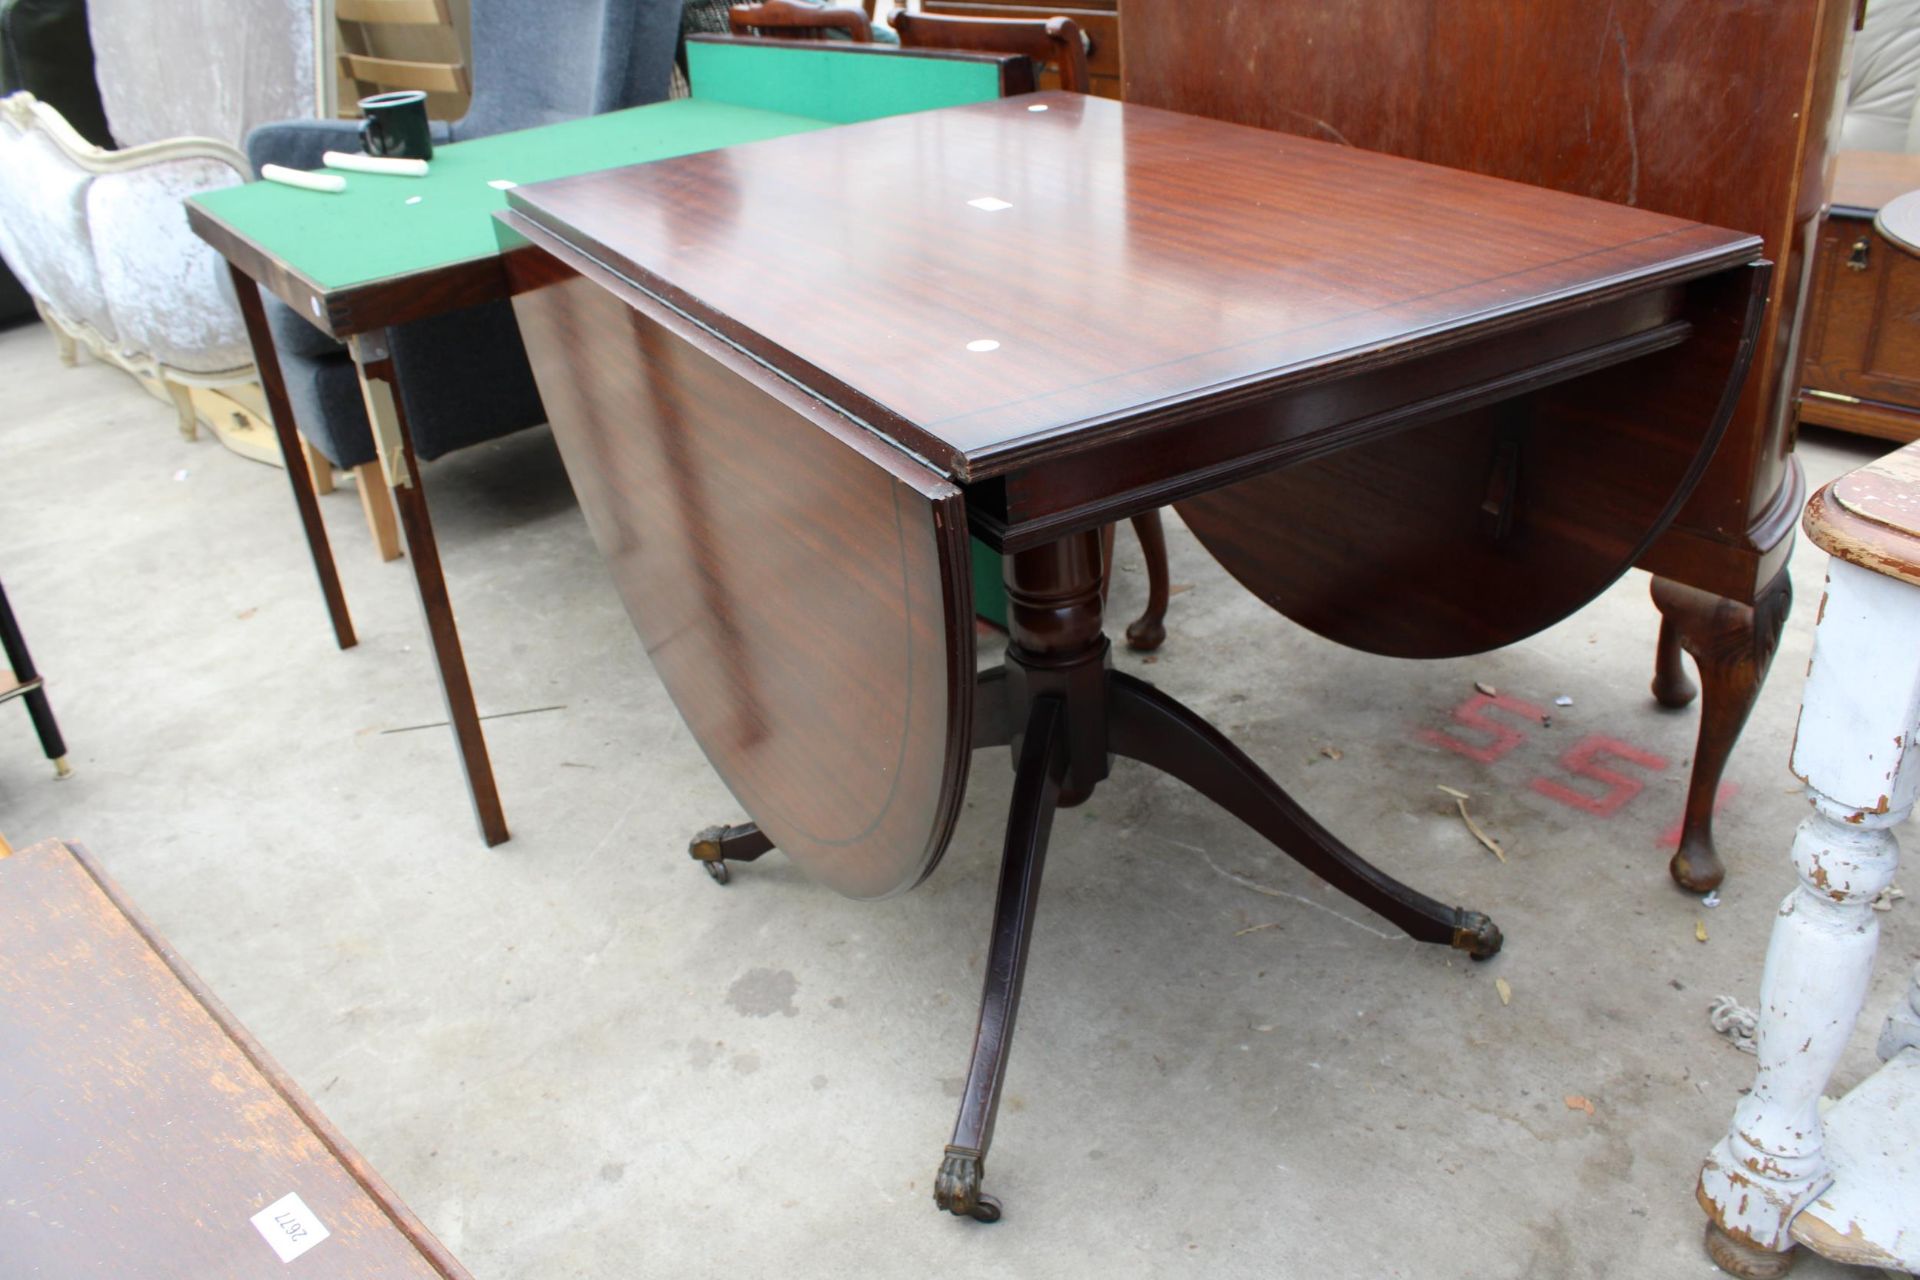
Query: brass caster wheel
x=716 y=846
x=705 y=849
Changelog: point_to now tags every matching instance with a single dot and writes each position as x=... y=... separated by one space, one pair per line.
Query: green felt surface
x=839 y=86
x=744 y=92
x=369 y=231
x=989 y=590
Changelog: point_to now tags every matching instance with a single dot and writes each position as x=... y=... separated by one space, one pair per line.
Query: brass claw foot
x=957 y=1189
x=1477 y=935
x=712 y=847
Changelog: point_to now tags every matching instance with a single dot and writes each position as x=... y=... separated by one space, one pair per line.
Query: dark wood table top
x=1864 y=181
x=1061 y=270
x=142 y=1130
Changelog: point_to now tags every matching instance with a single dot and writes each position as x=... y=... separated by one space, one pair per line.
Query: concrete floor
x=574 y=1056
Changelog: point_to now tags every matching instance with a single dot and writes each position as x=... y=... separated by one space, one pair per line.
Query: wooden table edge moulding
x=710 y=422
x=187 y=1132
x=364 y=315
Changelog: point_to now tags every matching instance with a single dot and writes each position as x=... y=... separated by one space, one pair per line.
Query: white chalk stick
x=398 y=166
x=302 y=179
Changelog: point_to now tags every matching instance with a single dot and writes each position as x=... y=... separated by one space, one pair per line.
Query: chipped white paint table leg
x=1846 y=1185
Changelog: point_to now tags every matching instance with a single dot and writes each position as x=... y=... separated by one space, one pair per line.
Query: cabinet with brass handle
x=1859 y=351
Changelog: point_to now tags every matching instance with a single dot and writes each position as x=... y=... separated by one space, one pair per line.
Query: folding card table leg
x=400 y=471
x=266 y=360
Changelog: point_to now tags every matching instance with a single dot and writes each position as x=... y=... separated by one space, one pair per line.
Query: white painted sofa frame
x=124 y=277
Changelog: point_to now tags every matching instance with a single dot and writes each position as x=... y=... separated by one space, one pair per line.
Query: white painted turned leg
x=1853 y=750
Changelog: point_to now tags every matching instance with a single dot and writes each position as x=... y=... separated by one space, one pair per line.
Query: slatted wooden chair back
x=1056 y=42
x=372 y=72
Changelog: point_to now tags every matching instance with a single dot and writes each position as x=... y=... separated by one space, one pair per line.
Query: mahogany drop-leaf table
x=788 y=378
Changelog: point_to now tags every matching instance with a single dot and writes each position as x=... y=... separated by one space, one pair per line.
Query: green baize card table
x=389 y=250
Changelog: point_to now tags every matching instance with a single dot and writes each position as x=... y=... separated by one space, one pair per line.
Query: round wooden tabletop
x=1899 y=221
x=1871 y=516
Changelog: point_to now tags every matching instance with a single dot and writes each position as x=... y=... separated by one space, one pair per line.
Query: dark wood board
x=141 y=1127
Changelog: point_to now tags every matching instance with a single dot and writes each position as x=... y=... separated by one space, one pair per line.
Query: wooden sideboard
x=1100 y=20
x=1861 y=370
x=1707 y=109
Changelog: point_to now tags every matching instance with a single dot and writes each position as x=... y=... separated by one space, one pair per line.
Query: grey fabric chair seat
x=464 y=377
x=299 y=144
x=465 y=380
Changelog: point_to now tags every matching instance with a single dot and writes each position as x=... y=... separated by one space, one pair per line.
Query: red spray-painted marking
x=1582 y=760
x=1474 y=714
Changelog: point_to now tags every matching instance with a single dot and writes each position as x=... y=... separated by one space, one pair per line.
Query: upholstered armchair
x=99 y=237
x=1883 y=89
x=44 y=50
x=464 y=376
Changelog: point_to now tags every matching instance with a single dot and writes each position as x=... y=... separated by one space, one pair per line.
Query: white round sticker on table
x=983 y=344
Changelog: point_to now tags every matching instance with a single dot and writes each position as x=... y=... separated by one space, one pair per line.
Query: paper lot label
x=289 y=1226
